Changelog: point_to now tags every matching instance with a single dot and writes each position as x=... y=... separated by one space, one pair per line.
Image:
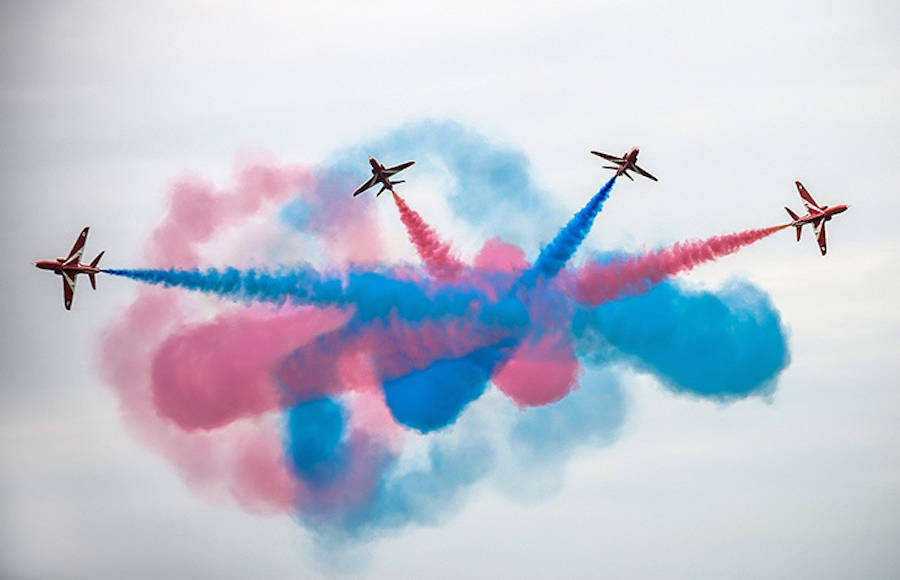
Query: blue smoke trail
x=375 y=296
x=555 y=255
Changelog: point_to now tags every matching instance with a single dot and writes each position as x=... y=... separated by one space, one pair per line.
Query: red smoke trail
x=437 y=255
x=599 y=283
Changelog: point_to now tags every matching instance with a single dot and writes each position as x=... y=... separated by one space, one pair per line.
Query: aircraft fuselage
x=377 y=168
x=56 y=266
x=826 y=214
x=378 y=172
x=630 y=160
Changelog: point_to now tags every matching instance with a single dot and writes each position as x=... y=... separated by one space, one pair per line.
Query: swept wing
x=642 y=172
x=366 y=185
x=78 y=249
x=68 y=283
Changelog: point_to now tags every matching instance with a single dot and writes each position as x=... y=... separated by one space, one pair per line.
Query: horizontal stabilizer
x=93 y=280
x=795 y=217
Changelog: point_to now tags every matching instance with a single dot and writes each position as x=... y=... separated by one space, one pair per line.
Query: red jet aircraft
x=625 y=164
x=817 y=216
x=382 y=174
x=69 y=268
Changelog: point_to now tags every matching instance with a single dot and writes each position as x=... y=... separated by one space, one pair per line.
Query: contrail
x=435 y=253
x=598 y=283
x=555 y=255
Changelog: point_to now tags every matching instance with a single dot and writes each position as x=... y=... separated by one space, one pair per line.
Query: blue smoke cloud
x=723 y=345
x=435 y=396
x=314 y=440
x=515 y=449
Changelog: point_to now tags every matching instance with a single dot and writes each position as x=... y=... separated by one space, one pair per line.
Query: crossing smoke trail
x=544 y=369
x=436 y=254
x=599 y=283
x=304 y=394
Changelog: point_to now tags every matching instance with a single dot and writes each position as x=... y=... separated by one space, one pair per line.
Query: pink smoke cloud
x=197 y=209
x=539 y=372
x=213 y=373
x=218 y=433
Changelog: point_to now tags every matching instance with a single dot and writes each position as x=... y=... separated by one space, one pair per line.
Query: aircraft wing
x=642 y=172
x=807 y=198
x=608 y=157
x=820 y=236
x=365 y=185
x=78 y=249
x=397 y=168
x=68 y=283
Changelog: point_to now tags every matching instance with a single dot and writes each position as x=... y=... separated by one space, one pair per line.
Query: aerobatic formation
x=342 y=389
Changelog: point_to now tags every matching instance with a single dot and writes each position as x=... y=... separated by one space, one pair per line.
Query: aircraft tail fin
x=96 y=260
x=398 y=181
x=91 y=275
x=795 y=217
x=380 y=191
x=611 y=167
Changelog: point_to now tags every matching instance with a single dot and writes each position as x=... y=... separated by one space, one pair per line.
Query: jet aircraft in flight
x=816 y=215
x=69 y=268
x=624 y=164
x=382 y=175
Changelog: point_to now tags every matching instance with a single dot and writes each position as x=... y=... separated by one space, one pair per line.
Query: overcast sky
x=104 y=104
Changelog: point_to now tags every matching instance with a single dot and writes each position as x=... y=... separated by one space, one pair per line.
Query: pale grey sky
x=104 y=104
